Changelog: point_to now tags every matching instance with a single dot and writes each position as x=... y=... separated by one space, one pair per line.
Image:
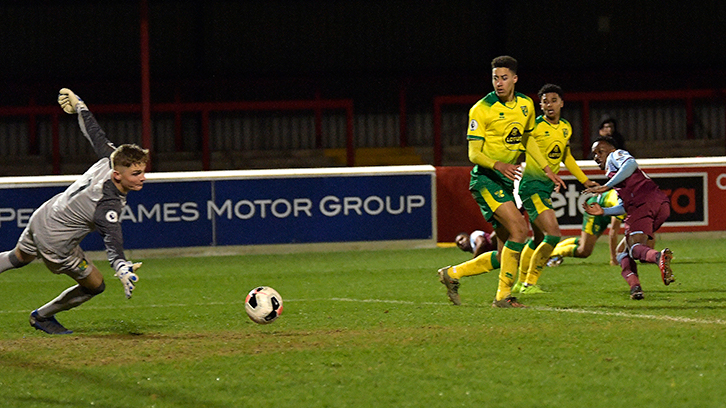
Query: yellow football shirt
x=553 y=142
x=501 y=126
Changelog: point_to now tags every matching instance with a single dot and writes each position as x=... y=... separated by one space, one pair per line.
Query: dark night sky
x=277 y=49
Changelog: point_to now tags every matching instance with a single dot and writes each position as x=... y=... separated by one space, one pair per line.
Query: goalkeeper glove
x=128 y=278
x=69 y=101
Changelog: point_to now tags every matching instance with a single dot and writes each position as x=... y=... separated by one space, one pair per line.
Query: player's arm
x=71 y=103
x=480 y=246
x=108 y=224
x=627 y=168
x=617 y=209
x=575 y=170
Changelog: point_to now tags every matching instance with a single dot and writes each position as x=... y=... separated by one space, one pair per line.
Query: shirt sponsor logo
x=514 y=137
x=555 y=152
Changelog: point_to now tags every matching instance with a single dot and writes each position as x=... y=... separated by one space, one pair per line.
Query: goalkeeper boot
x=555 y=260
x=664 y=264
x=507 y=302
x=531 y=289
x=452 y=285
x=636 y=292
x=47 y=324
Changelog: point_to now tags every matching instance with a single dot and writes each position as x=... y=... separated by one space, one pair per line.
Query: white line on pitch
x=408 y=302
x=638 y=316
x=555 y=309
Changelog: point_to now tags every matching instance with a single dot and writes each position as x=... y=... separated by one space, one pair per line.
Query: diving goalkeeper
x=93 y=202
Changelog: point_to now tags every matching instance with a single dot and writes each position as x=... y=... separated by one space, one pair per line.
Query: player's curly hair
x=547 y=88
x=127 y=155
x=606 y=139
x=505 y=61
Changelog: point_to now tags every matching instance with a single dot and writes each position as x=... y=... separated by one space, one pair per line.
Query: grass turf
x=372 y=328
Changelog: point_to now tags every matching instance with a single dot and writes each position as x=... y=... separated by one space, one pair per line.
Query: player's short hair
x=127 y=155
x=505 y=61
x=547 y=88
x=607 y=139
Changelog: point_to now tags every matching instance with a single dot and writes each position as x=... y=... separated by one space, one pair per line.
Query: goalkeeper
x=93 y=202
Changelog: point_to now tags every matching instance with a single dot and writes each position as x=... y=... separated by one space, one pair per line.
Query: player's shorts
x=58 y=258
x=535 y=198
x=647 y=217
x=490 y=191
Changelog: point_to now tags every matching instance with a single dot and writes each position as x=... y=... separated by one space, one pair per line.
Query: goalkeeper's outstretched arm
x=71 y=103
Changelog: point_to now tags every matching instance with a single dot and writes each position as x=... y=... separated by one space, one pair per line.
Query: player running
x=499 y=132
x=552 y=134
x=647 y=208
x=93 y=202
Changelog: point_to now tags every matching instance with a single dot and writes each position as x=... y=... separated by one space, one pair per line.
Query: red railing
x=585 y=98
x=177 y=108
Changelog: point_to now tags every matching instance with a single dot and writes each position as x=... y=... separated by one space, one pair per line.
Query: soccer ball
x=263 y=305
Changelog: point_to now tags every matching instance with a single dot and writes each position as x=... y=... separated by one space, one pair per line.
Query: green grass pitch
x=372 y=329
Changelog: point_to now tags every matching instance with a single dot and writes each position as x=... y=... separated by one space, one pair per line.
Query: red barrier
x=204 y=108
x=456 y=209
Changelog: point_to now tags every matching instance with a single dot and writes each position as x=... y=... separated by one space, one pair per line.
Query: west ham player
x=647 y=207
x=498 y=134
x=93 y=202
x=552 y=134
x=478 y=242
x=484 y=247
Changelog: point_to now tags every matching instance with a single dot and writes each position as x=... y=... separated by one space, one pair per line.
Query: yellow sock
x=510 y=262
x=524 y=258
x=483 y=263
x=539 y=258
x=567 y=247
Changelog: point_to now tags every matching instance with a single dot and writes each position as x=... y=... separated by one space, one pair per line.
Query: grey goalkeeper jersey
x=91 y=203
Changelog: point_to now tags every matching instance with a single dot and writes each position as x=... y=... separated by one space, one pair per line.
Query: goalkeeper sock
x=483 y=263
x=539 y=258
x=8 y=260
x=68 y=299
x=509 y=263
x=524 y=259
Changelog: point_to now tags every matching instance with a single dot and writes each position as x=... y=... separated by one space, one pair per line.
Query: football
x=263 y=305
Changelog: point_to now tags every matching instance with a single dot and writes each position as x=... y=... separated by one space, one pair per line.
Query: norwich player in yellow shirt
x=552 y=134
x=593 y=226
x=499 y=128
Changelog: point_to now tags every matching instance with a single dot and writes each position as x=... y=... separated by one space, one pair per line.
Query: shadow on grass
x=114 y=389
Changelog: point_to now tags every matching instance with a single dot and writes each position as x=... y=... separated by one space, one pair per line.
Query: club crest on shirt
x=525 y=111
x=112 y=216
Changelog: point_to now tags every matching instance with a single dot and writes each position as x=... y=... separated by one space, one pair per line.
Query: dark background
x=366 y=50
